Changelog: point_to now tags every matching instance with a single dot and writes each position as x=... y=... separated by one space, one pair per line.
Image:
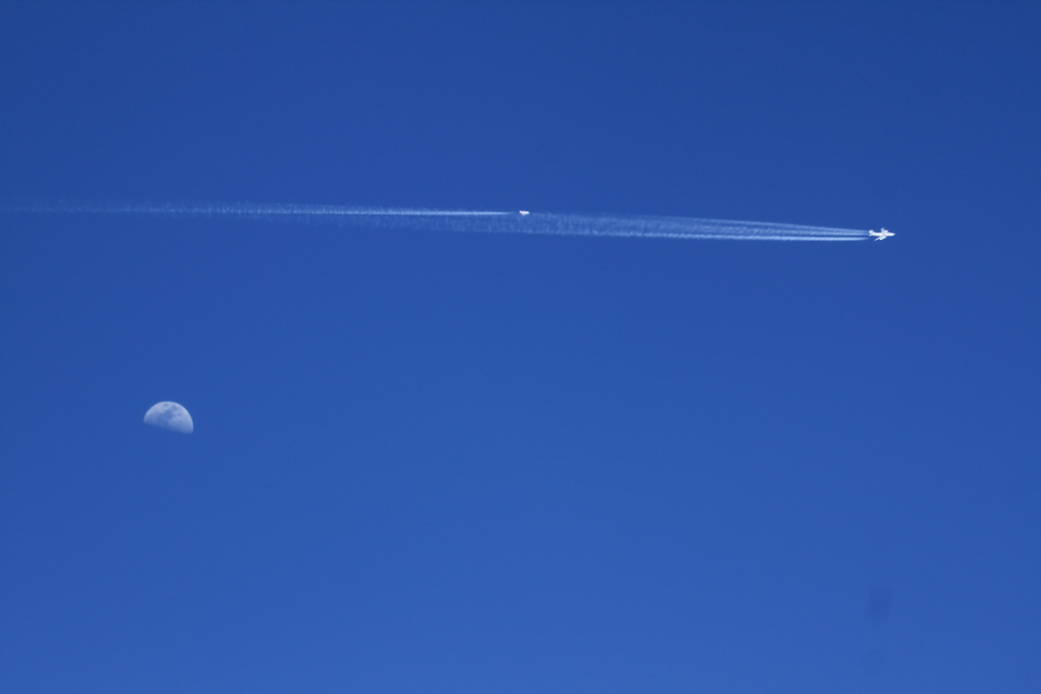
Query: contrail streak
x=483 y=221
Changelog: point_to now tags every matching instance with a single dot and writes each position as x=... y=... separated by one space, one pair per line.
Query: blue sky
x=468 y=463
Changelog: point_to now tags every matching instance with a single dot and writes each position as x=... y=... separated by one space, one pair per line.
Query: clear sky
x=430 y=462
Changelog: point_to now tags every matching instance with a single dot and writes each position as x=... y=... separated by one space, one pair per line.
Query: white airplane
x=524 y=213
x=881 y=235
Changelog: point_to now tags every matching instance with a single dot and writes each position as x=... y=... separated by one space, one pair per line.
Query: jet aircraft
x=881 y=235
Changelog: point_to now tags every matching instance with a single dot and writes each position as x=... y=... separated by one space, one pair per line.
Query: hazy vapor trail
x=484 y=221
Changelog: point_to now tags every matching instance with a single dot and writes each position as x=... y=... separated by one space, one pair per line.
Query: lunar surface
x=170 y=416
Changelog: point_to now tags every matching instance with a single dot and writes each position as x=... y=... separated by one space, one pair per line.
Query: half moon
x=170 y=416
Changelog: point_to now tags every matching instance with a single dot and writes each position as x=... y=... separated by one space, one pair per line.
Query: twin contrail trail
x=483 y=221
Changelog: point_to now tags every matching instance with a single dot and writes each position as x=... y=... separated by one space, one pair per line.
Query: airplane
x=524 y=213
x=881 y=235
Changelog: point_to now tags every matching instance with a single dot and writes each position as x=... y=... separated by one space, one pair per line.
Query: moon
x=170 y=416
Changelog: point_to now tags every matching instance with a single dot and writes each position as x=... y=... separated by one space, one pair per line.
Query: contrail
x=482 y=221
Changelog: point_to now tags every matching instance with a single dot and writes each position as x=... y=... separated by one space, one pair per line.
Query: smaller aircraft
x=523 y=213
x=881 y=235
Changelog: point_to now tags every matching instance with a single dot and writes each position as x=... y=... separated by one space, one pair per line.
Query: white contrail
x=486 y=221
x=252 y=210
x=691 y=228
